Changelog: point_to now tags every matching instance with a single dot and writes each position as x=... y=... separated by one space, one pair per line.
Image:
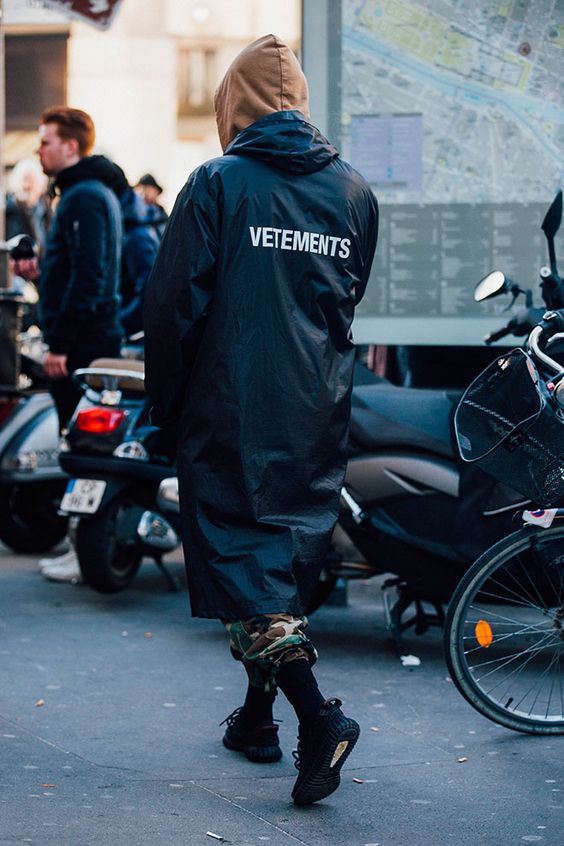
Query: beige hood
x=265 y=77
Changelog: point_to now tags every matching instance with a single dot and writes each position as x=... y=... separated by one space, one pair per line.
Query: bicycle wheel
x=504 y=632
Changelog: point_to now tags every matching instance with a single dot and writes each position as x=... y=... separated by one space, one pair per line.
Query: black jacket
x=248 y=347
x=139 y=249
x=80 y=272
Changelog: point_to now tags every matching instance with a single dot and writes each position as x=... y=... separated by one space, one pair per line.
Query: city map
x=454 y=112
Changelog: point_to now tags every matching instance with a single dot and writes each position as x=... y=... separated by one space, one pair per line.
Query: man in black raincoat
x=249 y=353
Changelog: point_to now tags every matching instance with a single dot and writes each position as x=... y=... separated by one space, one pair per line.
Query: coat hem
x=294 y=608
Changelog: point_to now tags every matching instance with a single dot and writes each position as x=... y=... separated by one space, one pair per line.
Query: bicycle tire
x=535 y=617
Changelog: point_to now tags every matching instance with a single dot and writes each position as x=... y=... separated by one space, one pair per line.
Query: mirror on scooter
x=553 y=217
x=19 y=247
x=490 y=286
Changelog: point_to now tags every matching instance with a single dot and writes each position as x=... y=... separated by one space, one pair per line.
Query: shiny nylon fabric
x=248 y=352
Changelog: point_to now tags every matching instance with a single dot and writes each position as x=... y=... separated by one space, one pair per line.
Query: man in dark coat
x=79 y=275
x=249 y=352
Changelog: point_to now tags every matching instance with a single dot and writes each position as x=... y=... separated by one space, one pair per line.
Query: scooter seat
x=119 y=364
x=385 y=415
x=131 y=365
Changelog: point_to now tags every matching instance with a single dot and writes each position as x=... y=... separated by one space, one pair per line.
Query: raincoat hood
x=265 y=77
x=286 y=141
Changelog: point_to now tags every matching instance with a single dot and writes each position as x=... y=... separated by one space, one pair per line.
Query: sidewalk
x=126 y=750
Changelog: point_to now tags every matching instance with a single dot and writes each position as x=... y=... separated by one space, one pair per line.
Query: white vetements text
x=298 y=241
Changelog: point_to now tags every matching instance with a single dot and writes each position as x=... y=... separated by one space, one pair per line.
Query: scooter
x=116 y=460
x=31 y=480
x=410 y=508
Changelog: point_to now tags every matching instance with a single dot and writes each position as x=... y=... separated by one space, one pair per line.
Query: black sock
x=258 y=705
x=297 y=682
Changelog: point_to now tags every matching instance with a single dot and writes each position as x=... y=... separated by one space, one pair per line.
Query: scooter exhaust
x=168 y=496
x=155 y=531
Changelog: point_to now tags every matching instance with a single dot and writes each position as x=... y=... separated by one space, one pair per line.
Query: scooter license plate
x=83 y=496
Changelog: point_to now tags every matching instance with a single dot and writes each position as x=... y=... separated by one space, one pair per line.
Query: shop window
x=36 y=71
x=196 y=81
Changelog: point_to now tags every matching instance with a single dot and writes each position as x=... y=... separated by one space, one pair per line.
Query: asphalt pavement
x=109 y=713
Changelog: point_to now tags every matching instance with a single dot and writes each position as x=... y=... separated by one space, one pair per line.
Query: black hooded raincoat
x=249 y=351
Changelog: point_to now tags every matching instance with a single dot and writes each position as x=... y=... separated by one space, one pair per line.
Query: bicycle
x=504 y=630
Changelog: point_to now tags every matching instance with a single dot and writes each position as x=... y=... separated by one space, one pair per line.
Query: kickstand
x=420 y=620
x=173 y=583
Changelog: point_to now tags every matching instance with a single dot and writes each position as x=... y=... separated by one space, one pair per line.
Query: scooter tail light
x=99 y=421
x=6 y=408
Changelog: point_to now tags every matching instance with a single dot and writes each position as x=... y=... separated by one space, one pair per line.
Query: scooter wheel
x=30 y=523
x=107 y=550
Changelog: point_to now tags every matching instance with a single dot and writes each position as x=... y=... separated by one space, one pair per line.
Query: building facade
x=148 y=81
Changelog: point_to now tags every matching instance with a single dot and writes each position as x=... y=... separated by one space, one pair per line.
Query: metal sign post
x=3 y=256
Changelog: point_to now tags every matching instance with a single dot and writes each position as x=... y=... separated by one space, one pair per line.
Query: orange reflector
x=484 y=634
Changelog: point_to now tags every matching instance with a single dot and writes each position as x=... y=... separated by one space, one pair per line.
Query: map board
x=454 y=113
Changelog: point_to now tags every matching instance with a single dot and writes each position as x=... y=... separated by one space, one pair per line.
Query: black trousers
x=64 y=392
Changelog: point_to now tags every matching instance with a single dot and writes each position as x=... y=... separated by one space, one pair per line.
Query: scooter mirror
x=20 y=247
x=553 y=217
x=490 y=286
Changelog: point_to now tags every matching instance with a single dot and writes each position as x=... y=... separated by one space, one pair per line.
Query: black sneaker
x=259 y=743
x=323 y=748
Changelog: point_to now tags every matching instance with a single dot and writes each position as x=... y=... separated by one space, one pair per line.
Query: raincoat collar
x=285 y=140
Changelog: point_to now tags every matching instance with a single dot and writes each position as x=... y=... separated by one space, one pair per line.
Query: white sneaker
x=64 y=568
x=47 y=563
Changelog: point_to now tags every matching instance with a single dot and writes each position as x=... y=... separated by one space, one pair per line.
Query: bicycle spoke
x=497 y=615
x=558 y=594
x=508 y=659
x=500 y=638
x=533 y=603
x=547 y=713
x=520 y=604
x=528 y=576
x=515 y=672
x=538 y=683
x=512 y=679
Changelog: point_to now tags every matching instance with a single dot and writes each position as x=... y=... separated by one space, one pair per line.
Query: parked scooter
x=409 y=507
x=31 y=480
x=116 y=460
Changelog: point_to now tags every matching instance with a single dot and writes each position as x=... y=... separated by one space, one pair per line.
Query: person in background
x=149 y=189
x=139 y=249
x=79 y=275
x=28 y=206
x=248 y=352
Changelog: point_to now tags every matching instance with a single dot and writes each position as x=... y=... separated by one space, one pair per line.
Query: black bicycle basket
x=509 y=424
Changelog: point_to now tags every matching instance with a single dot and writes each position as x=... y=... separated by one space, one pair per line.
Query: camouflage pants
x=266 y=642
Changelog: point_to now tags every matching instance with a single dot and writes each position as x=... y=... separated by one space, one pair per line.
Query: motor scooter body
x=409 y=507
x=31 y=480
x=116 y=460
